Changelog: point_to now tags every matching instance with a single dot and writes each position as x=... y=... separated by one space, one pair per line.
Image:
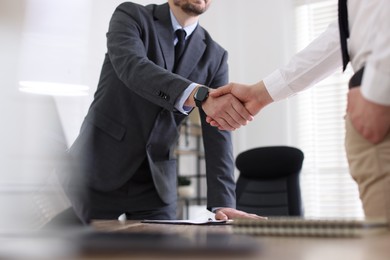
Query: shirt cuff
x=179 y=105
x=214 y=209
x=276 y=86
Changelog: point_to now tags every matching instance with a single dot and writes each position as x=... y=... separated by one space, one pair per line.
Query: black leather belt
x=356 y=79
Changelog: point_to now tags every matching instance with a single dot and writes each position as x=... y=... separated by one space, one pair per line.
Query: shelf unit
x=190 y=161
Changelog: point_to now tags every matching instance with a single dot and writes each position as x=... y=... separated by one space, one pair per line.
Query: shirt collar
x=175 y=25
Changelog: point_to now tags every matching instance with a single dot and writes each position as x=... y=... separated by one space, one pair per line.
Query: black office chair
x=268 y=184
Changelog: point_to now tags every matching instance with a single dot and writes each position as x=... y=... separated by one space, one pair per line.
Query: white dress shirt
x=368 y=45
x=179 y=104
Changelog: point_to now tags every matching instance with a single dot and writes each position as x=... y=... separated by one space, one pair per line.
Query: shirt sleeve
x=309 y=66
x=376 y=80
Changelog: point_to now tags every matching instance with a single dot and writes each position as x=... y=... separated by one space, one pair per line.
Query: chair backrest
x=268 y=184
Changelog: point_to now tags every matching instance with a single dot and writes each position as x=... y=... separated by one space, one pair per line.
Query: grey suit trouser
x=137 y=198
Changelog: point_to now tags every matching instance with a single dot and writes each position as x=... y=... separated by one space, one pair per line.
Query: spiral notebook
x=294 y=226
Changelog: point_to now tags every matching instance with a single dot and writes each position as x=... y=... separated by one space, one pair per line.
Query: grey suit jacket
x=132 y=117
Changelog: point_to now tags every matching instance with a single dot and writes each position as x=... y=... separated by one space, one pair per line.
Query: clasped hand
x=234 y=105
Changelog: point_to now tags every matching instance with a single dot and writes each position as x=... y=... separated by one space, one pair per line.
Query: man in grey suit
x=123 y=158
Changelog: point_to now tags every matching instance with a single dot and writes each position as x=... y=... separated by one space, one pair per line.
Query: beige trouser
x=370 y=167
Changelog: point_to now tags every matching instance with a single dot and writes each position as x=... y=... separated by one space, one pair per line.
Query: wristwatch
x=201 y=95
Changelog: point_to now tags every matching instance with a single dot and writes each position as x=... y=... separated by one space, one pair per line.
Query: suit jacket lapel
x=191 y=56
x=165 y=34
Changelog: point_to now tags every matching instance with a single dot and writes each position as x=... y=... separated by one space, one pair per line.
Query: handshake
x=234 y=105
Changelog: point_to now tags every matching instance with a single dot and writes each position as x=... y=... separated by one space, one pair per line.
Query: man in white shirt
x=368 y=113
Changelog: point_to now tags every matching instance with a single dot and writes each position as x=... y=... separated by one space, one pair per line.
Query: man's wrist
x=262 y=95
x=187 y=96
x=190 y=102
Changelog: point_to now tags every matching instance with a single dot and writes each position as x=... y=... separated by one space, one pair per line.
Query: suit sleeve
x=129 y=29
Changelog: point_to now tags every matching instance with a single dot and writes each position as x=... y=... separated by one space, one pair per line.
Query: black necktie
x=344 y=31
x=180 y=45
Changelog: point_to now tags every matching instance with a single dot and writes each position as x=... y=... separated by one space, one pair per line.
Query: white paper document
x=189 y=222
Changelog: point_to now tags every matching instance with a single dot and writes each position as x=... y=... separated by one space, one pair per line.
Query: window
x=318 y=113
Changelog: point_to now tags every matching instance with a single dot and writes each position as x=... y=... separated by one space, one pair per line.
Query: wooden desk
x=30 y=246
x=370 y=247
